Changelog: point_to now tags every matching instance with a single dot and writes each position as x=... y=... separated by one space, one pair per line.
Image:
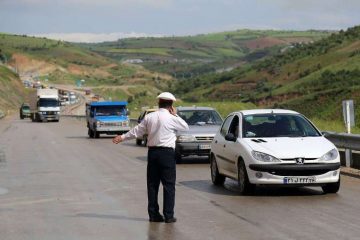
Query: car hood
x=285 y=147
x=111 y=118
x=201 y=130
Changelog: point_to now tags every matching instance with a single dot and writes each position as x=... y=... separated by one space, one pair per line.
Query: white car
x=273 y=147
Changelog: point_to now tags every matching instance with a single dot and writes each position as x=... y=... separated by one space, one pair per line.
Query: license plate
x=299 y=180
x=205 y=146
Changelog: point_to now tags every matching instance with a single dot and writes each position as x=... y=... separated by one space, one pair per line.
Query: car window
x=225 y=127
x=278 y=125
x=234 y=126
x=200 y=117
x=111 y=111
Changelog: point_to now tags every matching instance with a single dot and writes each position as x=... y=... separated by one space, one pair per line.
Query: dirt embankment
x=12 y=92
x=25 y=64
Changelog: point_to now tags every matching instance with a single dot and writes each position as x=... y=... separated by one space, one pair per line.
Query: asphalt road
x=56 y=183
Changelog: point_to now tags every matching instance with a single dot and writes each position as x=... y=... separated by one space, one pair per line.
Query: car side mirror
x=230 y=137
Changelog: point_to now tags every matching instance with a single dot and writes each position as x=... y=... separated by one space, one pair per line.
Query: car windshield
x=25 y=108
x=200 y=117
x=277 y=125
x=110 y=111
x=48 y=102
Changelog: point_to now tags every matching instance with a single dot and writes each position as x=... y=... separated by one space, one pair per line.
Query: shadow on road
x=207 y=186
x=230 y=188
x=108 y=216
x=142 y=158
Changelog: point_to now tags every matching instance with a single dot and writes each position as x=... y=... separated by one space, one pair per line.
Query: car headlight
x=186 y=138
x=98 y=123
x=330 y=155
x=264 y=157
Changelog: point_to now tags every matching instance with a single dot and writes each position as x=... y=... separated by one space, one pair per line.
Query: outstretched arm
x=136 y=132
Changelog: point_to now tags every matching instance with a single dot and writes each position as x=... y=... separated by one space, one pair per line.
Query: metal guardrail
x=344 y=140
x=348 y=142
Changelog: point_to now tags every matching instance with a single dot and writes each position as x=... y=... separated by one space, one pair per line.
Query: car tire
x=331 y=187
x=145 y=141
x=96 y=134
x=216 y=178
x=244 y=184
x=138 y=142
x=21 y=117
x=178 y=157
x=90 y=133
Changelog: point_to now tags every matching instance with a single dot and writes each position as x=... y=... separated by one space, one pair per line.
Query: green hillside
x=63 y=62
x=185 y=57
x=312 y=78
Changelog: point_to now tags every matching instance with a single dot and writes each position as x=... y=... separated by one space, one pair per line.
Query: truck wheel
x=90 y=133
x=96 y=134
x=331 y=187
x=216 y=177
x=145 y=141
x=243 y=180
x=138 y=142
x=37 y=118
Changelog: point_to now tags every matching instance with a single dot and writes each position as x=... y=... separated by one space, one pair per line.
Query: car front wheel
x=331 y=187
x=216 y=177
x=243 y=180
x=138 y=142
x=178 y=157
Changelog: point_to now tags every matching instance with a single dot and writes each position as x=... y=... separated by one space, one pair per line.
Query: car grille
x=111 y=124
x=294 y=159
x=204 y=138
x=114 y=124
x=308 y=172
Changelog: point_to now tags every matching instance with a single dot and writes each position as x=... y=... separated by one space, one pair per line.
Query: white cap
x=167 y=96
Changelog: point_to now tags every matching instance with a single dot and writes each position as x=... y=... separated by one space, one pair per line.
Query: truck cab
x=107 y=118
x=44 y=105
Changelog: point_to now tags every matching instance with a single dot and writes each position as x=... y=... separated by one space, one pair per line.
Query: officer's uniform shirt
x=161 y=127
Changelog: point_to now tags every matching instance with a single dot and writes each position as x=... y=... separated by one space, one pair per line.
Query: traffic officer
x=161 y=127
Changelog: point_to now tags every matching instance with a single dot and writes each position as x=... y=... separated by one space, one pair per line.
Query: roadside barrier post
x=349 y=119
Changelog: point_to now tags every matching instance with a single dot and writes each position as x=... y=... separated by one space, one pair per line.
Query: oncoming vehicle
x=25 y=111
x=44 y=105
x=203 y=123
x=139 y=141
x=273 y=147
x=107 y=118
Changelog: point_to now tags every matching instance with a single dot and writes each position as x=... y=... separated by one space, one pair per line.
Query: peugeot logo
x=299 y=160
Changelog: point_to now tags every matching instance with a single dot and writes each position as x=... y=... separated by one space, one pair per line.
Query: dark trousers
x=161 y=167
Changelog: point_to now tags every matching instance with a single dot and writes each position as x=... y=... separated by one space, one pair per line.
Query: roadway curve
x=56 y=183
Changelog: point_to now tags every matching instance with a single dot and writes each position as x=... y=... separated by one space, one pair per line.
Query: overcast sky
x=98 y=20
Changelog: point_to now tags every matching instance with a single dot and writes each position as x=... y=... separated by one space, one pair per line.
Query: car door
x=231 y=148
x=219 y=143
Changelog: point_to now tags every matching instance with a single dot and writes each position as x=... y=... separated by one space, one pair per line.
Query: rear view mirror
x=230 y=137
